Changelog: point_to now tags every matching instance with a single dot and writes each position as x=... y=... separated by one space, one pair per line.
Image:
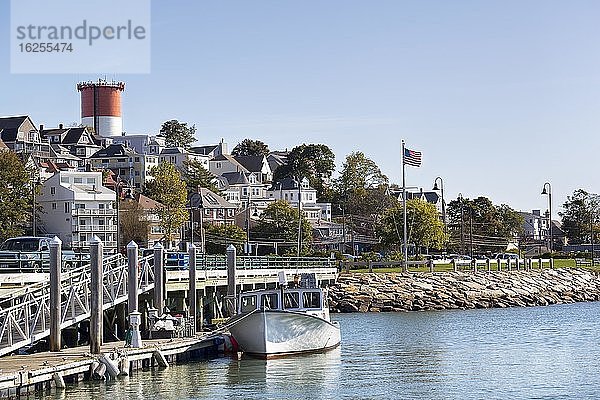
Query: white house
x=287 y=189
x=75 y=207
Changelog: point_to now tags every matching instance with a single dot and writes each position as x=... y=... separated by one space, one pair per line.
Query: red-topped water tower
x=101 y=106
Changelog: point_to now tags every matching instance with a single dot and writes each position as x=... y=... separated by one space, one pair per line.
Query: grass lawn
x=558 y=263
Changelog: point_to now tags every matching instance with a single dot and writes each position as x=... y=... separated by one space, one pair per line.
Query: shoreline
x=425 y=291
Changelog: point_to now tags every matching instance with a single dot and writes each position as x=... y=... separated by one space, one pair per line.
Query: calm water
x=520 y=353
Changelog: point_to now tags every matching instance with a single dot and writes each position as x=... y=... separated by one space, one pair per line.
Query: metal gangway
x=25 y=315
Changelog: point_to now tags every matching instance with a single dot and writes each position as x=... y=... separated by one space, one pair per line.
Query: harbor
x=59 y=311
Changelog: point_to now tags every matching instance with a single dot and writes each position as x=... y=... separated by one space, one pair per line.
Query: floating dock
x=21 y=375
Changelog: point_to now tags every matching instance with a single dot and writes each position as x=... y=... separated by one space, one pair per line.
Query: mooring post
x=96 y=295
x=55 y=314
x=488 y=264
x=192 y=285
x=159 y=283
x=132 y=276
x=231 y=281
x=454 y=267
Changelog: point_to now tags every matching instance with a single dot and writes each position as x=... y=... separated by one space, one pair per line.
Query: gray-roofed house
x=20 y=135
x=257 y=165
x=125 y=163
x=80 y=141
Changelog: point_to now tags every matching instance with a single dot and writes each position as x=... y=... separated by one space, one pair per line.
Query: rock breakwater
x=381 y=292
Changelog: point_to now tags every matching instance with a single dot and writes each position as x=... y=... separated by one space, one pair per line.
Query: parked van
x=506 y=256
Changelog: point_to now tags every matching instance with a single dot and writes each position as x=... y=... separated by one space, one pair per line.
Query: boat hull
x=274 y=333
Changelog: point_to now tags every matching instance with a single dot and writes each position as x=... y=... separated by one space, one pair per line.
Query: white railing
x=94 y=211
x=25 y=319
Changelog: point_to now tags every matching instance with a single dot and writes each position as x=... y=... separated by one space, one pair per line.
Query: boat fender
x=231 y=345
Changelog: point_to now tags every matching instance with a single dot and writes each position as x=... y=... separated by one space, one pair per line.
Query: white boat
x=278 y=322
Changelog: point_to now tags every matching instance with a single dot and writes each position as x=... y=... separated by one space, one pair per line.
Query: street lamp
x=441 y=188
x=548 y=191
x=462 y=247
x=36 y=184
x=299 y=184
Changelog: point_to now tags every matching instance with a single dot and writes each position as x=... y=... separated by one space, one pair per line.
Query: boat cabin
x=301 y=299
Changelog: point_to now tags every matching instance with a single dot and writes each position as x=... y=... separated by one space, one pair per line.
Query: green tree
x=487 y=226
x=425 y=229
x=218 y=237
x=195 y=175
x=279 y=222
x=178 y=134
x=169 y=189
x=316 y=162
x=134 y=223
x=249 y=147
x=580 y=216
x=15 y=195
x=359 y=172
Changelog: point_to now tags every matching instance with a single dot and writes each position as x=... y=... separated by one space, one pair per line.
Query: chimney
x=41 y=127
x=536 y=212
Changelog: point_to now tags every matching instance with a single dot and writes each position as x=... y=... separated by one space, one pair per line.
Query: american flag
x=412 y=157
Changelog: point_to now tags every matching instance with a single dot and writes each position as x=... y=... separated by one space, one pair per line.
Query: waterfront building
x=75 y=207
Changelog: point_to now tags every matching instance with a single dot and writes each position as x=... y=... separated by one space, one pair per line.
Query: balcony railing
x=94 y=211
x=82 y=243
x=95 y=228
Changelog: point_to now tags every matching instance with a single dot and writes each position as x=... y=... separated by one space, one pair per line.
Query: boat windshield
x=311 y=299
x=269 y=300
x=248 y=303
x=291 y=300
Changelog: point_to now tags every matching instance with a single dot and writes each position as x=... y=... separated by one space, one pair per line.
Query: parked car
x=33 y=253
x=506 y=256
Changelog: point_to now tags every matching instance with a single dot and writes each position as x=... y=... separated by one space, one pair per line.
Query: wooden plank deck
x=21 y=373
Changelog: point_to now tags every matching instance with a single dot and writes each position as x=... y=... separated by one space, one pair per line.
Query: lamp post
x=441 y=189
x=37 y=183
x=247 y=249
x=197 y=203
x=299 y=182
x=118 y=188
x=547 y=189
x=462 y=248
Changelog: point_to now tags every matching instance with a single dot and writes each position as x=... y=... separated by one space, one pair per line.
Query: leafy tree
x=249 y=147
x=133 y=222
x=359 y=172
x=178 y=134
x=316 y=162
x=424 y=226
x=580 y=216
x=15 y=195
x=479 y=221
x=218 y=237
x=169 y=189
x=279 y=222
x=195 y=175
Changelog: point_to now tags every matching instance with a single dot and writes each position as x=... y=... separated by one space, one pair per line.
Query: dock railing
x=25 y=314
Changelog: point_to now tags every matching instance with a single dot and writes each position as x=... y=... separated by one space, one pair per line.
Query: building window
x=53 y=190
x=137 y=159
x=105 y=161
x=67 y=207
x=90 y=181
x=54 y=205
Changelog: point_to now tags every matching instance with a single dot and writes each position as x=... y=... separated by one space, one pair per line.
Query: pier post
x=551 y=263
x=499 y=261
x=132 y=277
x=55 y=314
x=508 y=266
x=96 y=295
x=159 y=282
x=488 y=264
x=454 y=268
x=192 y=286
x=430 y=263
x=231 y=281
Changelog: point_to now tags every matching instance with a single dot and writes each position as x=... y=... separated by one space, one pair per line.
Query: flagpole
x=405 y=250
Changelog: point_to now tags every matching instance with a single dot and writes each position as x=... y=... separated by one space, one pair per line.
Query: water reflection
x=521 y=353
x=312 y=375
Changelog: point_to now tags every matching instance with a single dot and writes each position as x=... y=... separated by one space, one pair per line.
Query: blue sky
x=500 y=96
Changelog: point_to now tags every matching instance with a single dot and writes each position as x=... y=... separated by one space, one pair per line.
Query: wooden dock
x=24 y=374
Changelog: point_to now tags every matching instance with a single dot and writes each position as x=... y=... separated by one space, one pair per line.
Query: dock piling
x=231 y=281
x=55 y=314
x=192 y=286
x=132 y=277
x=96 y=295
x=159 y=282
